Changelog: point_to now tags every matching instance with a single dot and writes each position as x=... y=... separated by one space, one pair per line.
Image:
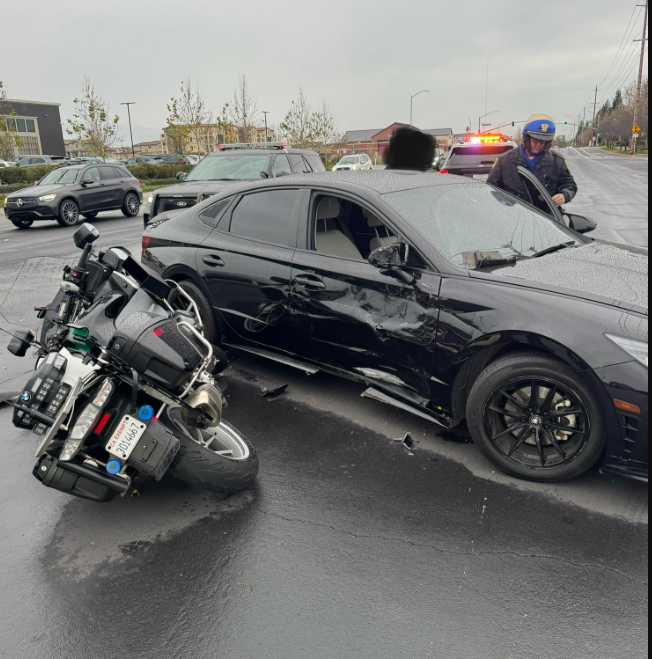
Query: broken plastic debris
x=406 y=440
x=273 y=393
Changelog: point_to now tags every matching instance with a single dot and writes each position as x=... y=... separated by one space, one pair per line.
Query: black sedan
x=69 y=194
x=446 y=297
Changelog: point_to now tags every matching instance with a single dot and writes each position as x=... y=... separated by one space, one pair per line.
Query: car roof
x=378 y=182
x=261 y=150
x=468 y=145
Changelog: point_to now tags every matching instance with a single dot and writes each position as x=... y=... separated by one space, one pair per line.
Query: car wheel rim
x=132 y=205
x=70 y=213
x=537 y=423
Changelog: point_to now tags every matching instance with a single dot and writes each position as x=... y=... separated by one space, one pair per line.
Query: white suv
x=357 y=162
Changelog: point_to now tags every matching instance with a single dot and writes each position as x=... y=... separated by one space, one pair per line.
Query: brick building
x=375 y=142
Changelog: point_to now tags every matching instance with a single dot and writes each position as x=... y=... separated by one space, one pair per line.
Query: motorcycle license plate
x=125 y=438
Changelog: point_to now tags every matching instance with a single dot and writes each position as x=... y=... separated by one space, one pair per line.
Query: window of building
x=267 y=216
x=20 y=126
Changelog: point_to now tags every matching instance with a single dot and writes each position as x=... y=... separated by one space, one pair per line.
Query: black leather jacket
x=551 y=170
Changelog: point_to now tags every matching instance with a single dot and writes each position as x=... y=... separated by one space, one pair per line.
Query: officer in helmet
x=548 y=166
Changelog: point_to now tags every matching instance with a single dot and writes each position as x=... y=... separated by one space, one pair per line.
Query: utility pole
x=595 y=104
x=637 y=104
x=266 y=133
x=133 y=151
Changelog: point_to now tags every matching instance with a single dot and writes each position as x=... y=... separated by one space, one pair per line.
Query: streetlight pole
x=485 y=116
x=424 y=91
x=266 y=133
x=131 y=135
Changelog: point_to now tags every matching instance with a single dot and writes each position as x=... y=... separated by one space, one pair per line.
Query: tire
x=198 y=465
x=131 y=205
x=22 y=224
x=205 y=310
x=524 y=434
x=89 y=216
x=68 y=213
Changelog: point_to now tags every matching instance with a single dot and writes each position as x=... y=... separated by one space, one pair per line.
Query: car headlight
x=636 y=349
x=150 y=199
x=87 y=421
x=48 y=197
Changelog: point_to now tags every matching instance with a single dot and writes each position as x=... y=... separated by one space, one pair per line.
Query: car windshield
x=350 y=160
x=64 y=176
x=232 y=166
x=461 y=220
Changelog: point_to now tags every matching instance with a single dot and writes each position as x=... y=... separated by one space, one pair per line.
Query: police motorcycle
x=124 y=389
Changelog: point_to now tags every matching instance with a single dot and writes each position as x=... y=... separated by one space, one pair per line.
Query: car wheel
x=535 y=419
x=131 y=205
x=68 y=213
x=22 y=224
x=89 y=216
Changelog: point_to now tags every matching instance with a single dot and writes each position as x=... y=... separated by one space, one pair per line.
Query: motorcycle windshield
x=36 y=285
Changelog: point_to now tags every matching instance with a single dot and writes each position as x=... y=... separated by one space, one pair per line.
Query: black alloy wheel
x=68 y=213
x=22 y=224
x=131 y=205
x=533 y=417
x=538 y=423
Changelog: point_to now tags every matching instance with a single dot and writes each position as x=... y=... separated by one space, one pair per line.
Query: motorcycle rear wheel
x=219 y=459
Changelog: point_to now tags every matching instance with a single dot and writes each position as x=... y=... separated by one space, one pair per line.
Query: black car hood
x=193 y=188
x=613 y=274
x=37 y=191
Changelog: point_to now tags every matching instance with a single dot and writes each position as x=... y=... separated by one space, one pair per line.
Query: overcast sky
x=365 y=57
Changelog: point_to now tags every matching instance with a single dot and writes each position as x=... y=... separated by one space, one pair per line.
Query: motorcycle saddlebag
x=87 y=484
x=155 y=451
x=156 y=347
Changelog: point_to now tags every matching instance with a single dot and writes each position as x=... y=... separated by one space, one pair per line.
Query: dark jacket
x=551 y=170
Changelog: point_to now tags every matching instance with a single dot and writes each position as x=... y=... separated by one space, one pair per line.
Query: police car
x=475 y=157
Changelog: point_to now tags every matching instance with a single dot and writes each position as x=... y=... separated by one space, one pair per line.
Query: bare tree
x=91 y=122
x=243 y=111
x=9 y=139
x=187 y=118
x=323 y=131
x=297 y=126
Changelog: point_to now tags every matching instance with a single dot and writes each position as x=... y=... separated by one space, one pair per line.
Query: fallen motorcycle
x=124 y=389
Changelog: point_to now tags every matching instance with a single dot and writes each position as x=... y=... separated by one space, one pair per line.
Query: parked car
x=439 y=159
x=4 y=163
x=40 y=161
x=475 y=160
x=231 y=164
x=68 y=194
x=357 y=162
x=137 y=160
x=446 y=297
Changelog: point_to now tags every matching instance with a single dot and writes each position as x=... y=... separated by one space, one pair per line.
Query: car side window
x=282 y=166
x=119 y=173
x=92 y=174
x=299 y=164
x=315 y=162
x=267 y=216
x=213 y=213
x=107 y=174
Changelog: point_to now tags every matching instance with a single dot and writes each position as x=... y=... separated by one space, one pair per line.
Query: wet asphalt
x=349 y=546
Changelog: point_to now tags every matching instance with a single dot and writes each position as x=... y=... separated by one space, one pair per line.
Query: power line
x=626 y=66
x=630 y=26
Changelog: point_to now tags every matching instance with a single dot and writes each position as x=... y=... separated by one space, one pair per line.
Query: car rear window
x=477 y=155
x=267 y=216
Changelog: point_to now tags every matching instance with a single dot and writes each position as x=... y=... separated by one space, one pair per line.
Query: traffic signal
x=566 y=124
x=598 y=134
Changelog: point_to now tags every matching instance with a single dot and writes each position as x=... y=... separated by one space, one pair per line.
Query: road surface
x=350 y=545
x=614 y=191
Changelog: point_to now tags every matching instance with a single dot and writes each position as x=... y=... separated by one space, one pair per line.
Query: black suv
x=475 y=160
x=70 y=193
x=233 y=163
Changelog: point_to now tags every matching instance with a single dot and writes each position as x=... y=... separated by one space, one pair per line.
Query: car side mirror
x=87 y=181
x=181 y=176
x=580 y=224
x=390 y=257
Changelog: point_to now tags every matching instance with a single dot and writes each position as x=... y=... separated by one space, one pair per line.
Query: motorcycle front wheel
x=220 y=459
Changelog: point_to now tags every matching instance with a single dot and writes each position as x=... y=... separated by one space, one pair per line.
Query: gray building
x=37 y=125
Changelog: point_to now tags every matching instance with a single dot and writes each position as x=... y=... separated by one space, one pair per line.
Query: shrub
x=25 y=175
x=147 y=172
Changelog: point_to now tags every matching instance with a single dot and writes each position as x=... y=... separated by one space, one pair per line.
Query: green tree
x=618 y=101
x=187 y=116
x=322 y=129
x=91 y=122
x=297 y=127
x=242 y=112
x=9 y=139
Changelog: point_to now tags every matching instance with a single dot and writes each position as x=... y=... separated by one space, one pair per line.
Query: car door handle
x=310 y=282
x=213 y=261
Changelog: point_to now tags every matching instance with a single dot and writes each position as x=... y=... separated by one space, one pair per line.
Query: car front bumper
x=628 y=448
x=32 y=211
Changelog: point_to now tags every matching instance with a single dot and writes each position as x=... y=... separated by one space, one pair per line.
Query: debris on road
x=406 y=440
x=274 y=393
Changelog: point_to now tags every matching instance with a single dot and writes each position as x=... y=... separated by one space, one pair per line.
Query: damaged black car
x=446 y=297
